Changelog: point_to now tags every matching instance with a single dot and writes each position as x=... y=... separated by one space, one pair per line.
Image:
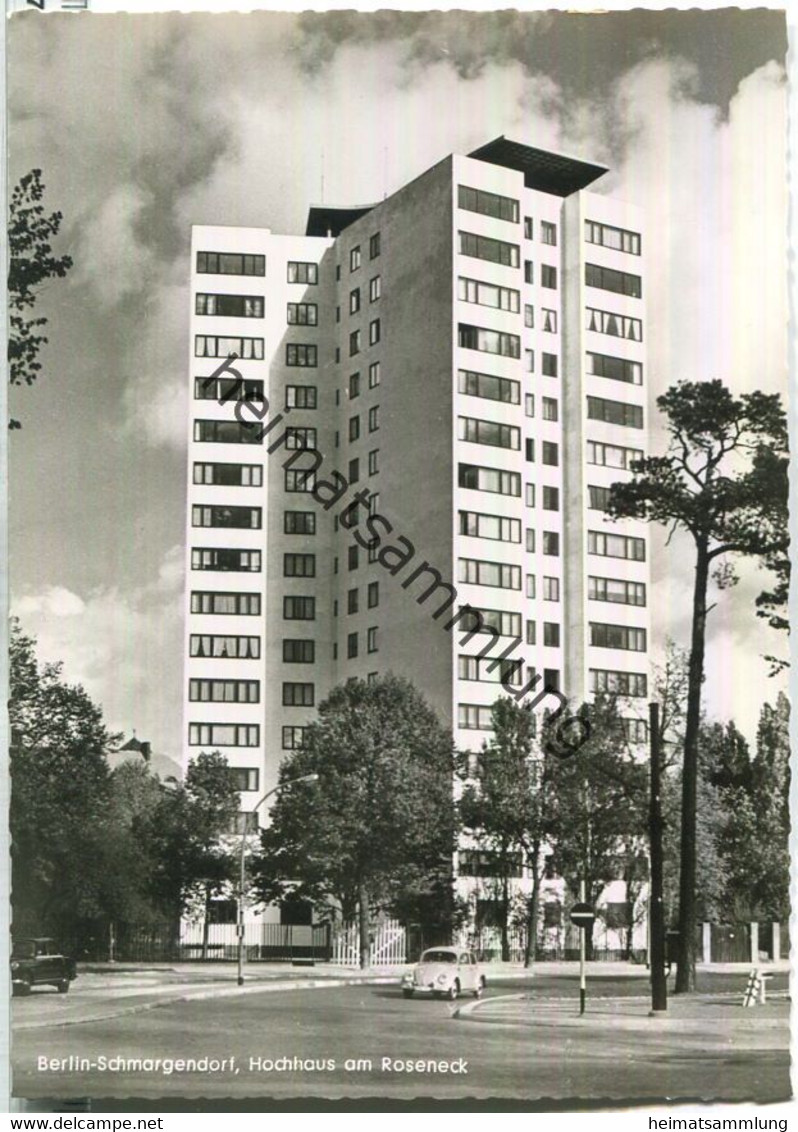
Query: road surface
x=522 y=1043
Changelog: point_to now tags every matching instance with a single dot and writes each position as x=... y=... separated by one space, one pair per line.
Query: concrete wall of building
x=414 y=440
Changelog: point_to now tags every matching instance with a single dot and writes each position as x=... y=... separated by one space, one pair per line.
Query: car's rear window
x=439 y=957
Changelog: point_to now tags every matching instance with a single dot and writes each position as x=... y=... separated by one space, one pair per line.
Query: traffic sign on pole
x=582 y=915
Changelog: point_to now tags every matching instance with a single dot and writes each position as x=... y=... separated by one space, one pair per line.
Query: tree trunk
x=205 y=924
x=363 y=916
x=685 y=974
x=531 y=951
x=505 y=918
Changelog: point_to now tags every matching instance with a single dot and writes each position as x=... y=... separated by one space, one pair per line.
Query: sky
x=144 y=125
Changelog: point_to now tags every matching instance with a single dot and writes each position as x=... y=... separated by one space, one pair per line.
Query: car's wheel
x=63 y=986
x=454 y=990
x=407 y=992
x=22 y=988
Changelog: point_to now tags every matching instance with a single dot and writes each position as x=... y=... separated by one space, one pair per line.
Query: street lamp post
x=242 y=863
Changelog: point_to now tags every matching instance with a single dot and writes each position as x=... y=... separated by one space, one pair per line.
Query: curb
x=471 y=1007
x=217 y=992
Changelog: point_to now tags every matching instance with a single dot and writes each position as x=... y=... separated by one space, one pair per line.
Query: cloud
x=55 y=601
x=115 y=258
x=124 y=648
x=183 y=120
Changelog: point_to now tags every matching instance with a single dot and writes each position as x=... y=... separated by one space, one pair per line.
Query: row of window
x=230 y=263
x=239 y=518
x=488 y=341
x=488 y=295
x=617 y=637
x=495 y=527
x=354 y=381
x=356 y=338
x=617 y=591
x=373 y=423
x=237 y=263
x=224 y=691
x=608 y=236
x=226 y=432
x=548 y=318
x=548 y=231
x=228 y=475
x=355 y=255
x=485 y=670
x=218 y=647
x=353 y=598
x=548 y=275
x=478 y=572
x=549 y=365
x=299 y=651
x=225 y=604
x=302 y=355
x=487 y=248
x=224 y=389
x=618 y=369
x=489 y=432
x=225 y=558
x=598 y=498
x=614 y=412
x=609 y=279
x=618 y=683
x=611 y=455
x=487 y=204
x=353 y=643
x=222 y=346
x=375 y=292
x=502 y=208
x=615 y=325
x=223 y=734
x=616 y=546
x=230 y=306
x=489 y=387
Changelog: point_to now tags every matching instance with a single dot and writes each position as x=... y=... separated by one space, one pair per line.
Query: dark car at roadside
x=40 y=962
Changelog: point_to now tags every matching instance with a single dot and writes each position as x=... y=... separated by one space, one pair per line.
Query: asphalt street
x=523 y=1041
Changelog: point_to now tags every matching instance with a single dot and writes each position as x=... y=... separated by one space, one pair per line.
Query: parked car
x=39 y=962
x=444 y=972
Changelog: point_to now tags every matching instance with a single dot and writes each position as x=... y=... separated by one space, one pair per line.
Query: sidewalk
x=223 y=972
x=696 y=1022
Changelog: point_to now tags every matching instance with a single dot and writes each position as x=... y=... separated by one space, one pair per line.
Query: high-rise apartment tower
x=467 y=360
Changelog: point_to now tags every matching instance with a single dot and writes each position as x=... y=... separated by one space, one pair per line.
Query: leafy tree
x=724 y=481
x=135 y=792
x=754 y=836
x=187 y=826
x=505 y=811
x=727 y=760
x=379 y=822
x=598 y=805
x=59 y=797
x=31 y=263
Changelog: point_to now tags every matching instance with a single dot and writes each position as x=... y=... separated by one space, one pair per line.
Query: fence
x=177 y=942
x=388 y=944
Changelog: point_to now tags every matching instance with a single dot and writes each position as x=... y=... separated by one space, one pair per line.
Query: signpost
x=583 y=916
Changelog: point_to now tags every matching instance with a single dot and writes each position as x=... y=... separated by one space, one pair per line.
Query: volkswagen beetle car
x=444 y=972
x=37 y=962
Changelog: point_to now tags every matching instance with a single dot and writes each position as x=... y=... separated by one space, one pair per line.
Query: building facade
x=467 y=360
